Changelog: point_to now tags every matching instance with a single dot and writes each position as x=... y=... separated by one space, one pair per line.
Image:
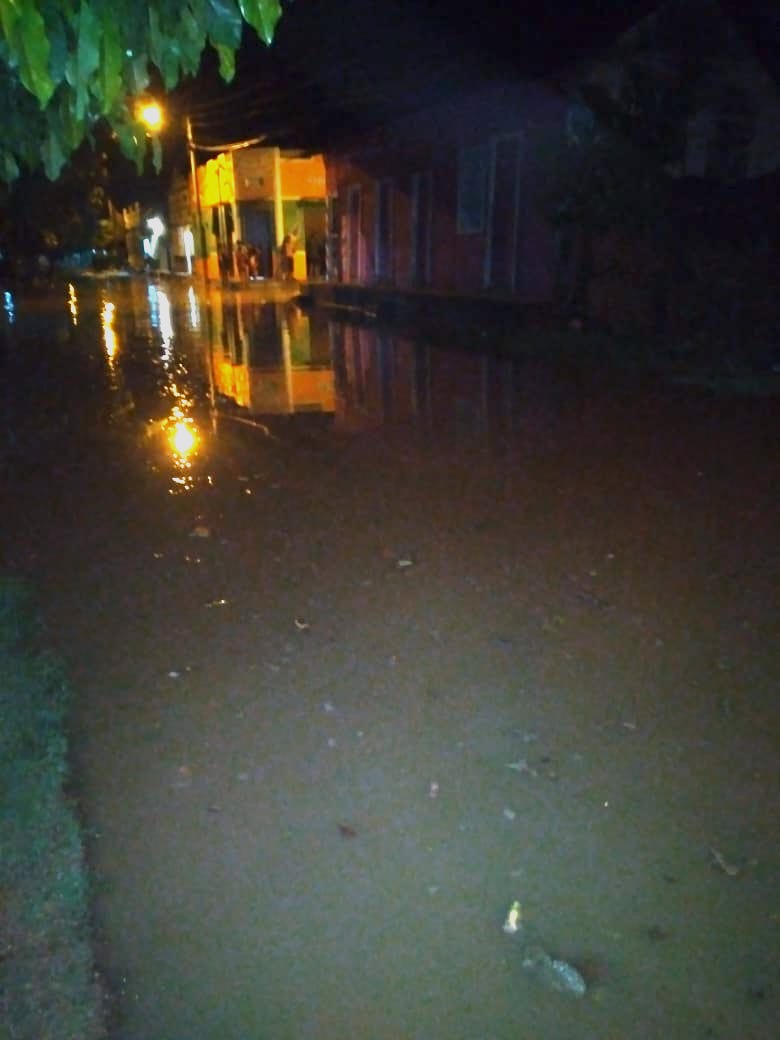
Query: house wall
x=257 y=195
x=463 y=256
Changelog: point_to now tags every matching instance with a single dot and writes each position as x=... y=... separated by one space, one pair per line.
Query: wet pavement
x=371 y=639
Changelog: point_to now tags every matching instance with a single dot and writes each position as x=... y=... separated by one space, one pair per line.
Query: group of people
x=249 y=263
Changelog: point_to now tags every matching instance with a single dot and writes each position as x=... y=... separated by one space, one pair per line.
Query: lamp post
x=196 y=196
x=150 y=113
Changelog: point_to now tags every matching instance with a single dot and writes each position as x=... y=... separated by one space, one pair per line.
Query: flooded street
x=372 y=638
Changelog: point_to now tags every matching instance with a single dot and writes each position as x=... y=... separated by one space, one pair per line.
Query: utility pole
x=196 y=195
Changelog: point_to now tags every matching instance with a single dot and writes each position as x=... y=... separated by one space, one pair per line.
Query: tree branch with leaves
x=66 y=64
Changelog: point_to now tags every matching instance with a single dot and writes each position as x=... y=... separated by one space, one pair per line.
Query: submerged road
x=371 y=639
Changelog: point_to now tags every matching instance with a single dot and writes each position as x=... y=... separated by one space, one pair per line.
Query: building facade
x=444 y=199
x=254 y=197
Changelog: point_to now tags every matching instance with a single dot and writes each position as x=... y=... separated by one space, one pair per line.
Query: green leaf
x=34 y=52
x=224 y=23
x=192 y=39
x=138 y=76
x=9 y=19
x=10 y=169
x=58 y=47
x=156 y=41
x=110 y=68
x=263 y=16
x=227 y=61
x=53 y=155
x=132 y=141
x=87 y=56
x=157 y=153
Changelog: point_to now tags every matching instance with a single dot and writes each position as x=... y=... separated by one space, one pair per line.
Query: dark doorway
x=258 y=228
x=422 y=198
x=353 y=234
x=501 y=258
x=384 y=223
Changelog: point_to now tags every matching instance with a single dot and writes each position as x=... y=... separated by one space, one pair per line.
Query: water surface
x=371 y=638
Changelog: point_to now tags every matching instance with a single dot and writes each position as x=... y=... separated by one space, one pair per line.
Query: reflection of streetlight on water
x=183 y=438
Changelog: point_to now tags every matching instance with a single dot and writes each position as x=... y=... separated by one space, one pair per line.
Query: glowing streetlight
x=151 y=115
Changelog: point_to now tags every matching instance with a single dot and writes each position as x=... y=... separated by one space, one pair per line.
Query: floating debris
x=200 y=531
x=433 y=790
x=554 y=973
x=347 y=832
x=183 y=777
x=719 y=860
x=302 y=625
x=514 y=918
x=551 y=971
x=655 y=933
x=521 y=766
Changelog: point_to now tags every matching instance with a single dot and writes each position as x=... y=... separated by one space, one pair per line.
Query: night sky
x=338 y=65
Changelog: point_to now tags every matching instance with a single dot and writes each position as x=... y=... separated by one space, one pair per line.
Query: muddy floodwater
x=371 y=639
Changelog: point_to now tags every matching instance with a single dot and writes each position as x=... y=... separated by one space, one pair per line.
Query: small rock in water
x=558 y=975
x=567 y=979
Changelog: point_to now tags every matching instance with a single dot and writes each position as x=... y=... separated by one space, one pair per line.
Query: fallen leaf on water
x=720 y=861
x=521 y=766
x=346 y=831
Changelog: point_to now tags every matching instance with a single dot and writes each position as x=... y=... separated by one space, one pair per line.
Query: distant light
x=157 y=227
x=9 y=307
x=189 y=248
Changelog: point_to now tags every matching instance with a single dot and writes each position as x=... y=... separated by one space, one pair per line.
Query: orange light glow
x=150 y=114
x=109 y=335
x=183 y=438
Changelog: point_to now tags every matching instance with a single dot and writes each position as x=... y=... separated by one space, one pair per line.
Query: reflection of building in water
x=391 y=379
x=270 y=358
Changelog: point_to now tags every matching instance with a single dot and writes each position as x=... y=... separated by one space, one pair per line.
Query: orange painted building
x=257 y=196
